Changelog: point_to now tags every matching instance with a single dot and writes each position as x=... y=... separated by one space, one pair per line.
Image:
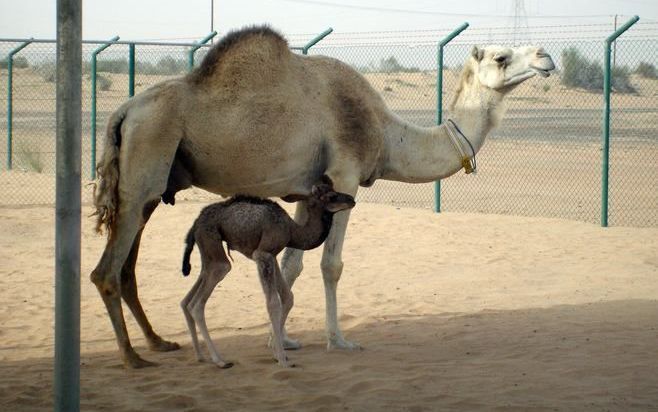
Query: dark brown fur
x=207 y=67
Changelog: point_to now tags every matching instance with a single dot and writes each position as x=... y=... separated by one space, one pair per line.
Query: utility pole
x=521 y=29
x=212 y=17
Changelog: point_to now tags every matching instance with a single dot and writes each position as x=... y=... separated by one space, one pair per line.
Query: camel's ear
x=477 y=53
x=294 y=198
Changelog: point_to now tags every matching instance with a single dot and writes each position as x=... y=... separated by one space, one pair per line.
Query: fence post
x=439 y=99
x=605 y=152
x=190 y=57
x=315 y=40
x=10 y=99
x=94 y=58
x=131 y=70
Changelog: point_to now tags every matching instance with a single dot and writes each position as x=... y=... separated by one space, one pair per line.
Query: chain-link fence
x=544 y=159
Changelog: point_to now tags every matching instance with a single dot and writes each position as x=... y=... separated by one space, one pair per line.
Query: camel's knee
x=331 y=270
x=107 y=286
x=292 y=265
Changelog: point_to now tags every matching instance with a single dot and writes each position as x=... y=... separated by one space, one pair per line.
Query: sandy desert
x=454 y=311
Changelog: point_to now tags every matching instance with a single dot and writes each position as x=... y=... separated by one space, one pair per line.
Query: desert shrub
x=387 y=65
x=19 y=62
x=578 y=71
x=104 y=82
x=647 y=70
x=112 y=66
x=546 y=87
x=391 y=65
x=621 y=80
x=48 y=71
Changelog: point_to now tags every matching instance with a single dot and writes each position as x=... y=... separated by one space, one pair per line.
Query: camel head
x=503 y=68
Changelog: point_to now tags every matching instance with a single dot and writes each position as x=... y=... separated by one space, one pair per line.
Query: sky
x=190 y=20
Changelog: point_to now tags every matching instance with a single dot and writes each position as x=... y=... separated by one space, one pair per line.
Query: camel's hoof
x=224 y=365
x=161 y=345
x=136 y=362
x=343 y=344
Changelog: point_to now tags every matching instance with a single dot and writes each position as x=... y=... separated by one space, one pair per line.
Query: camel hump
x=240 y=52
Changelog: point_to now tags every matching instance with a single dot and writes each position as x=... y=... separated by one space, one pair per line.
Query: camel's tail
x=189 y=245
x=106 y=194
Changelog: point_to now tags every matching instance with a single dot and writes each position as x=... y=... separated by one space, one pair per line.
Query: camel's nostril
x=542 y=53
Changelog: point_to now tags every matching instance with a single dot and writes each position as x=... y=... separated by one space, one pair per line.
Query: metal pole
x=614 y=50
x=439 y=99
x=94 y=58
x=605 y=172
x=190 y=57
x=10 y=100
x=67 y=207
x=131 y=70
x=316 y=39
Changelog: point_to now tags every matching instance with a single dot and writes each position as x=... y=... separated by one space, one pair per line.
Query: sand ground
x=455 y=312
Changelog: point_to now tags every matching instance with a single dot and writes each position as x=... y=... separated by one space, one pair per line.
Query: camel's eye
x=500 y=59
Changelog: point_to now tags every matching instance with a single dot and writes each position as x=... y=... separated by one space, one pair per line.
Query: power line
x=433 y=13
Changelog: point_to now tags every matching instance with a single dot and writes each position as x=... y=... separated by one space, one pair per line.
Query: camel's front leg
x=130 y=296
x=332 y=268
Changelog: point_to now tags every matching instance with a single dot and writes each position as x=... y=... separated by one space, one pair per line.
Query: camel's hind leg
x=144 y=169
x=130 y=296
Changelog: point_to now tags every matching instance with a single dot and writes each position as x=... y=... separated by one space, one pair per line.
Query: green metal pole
x=131 y=70
x=439 y=99
x=190 y=57
x=10 y=99
x=605 y=152
x=94 y=58
x=316 y=39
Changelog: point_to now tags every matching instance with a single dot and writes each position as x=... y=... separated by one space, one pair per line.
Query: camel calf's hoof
x=288 y=343
x=343 y=344
x=224 y=365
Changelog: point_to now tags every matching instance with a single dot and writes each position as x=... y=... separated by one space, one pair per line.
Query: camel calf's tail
x=189 y=245
x=106 y=193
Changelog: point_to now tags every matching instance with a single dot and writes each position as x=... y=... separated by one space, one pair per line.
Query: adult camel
x=256 y=119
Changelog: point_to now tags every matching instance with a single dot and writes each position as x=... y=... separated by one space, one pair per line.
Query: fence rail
x=544 y=159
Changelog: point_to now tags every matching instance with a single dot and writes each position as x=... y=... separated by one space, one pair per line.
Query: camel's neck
x=417 y=154
x=312 y=233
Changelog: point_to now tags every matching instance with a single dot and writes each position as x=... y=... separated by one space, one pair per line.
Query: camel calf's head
x=499 y=67
x=323 y=195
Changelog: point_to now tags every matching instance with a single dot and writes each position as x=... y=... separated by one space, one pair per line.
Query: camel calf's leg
x=267 y=272
x=215 y=266
x=291 y=267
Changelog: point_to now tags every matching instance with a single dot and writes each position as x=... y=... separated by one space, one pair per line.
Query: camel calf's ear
x=477 y=53
x=294 y=198
x=327 y=180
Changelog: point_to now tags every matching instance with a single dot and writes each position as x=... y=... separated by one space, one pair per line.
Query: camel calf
x=259 y=229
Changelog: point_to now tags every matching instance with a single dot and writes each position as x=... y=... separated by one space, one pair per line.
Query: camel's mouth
x=542 y=72
x=543 y=66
